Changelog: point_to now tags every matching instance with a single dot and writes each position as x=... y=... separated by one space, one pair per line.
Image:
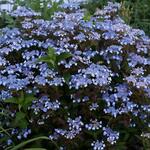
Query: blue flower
x=112 y=136
x=98 y=145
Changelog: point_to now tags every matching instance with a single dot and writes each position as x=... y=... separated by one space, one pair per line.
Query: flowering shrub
x=76 y=81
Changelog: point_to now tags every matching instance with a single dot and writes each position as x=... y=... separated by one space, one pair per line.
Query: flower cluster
x=112 y=136
x=78 y=79
x=94 y=125
x=24 y=12
x=94 y=74
x=74 y=128
x=44 y=104
x=122 y=94
x=97 y=145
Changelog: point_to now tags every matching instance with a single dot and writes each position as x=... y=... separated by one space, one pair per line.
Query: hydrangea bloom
x=76 y=79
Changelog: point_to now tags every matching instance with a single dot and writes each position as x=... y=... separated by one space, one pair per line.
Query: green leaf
x=120 y=146
x=8 y=148
x=87 y=16
x=51 y=53
x=23 y=124
x=19 y=116
x=126 y=136
x=11 y=100
x=28 y=100
x=20 y=120
x=44 y=59
x=52 y=63
x=67 y=77
x=21 y=98
x=4 y=130
x=63 y=56
x=50 y=59
x=21 y=145
x=35 y=149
